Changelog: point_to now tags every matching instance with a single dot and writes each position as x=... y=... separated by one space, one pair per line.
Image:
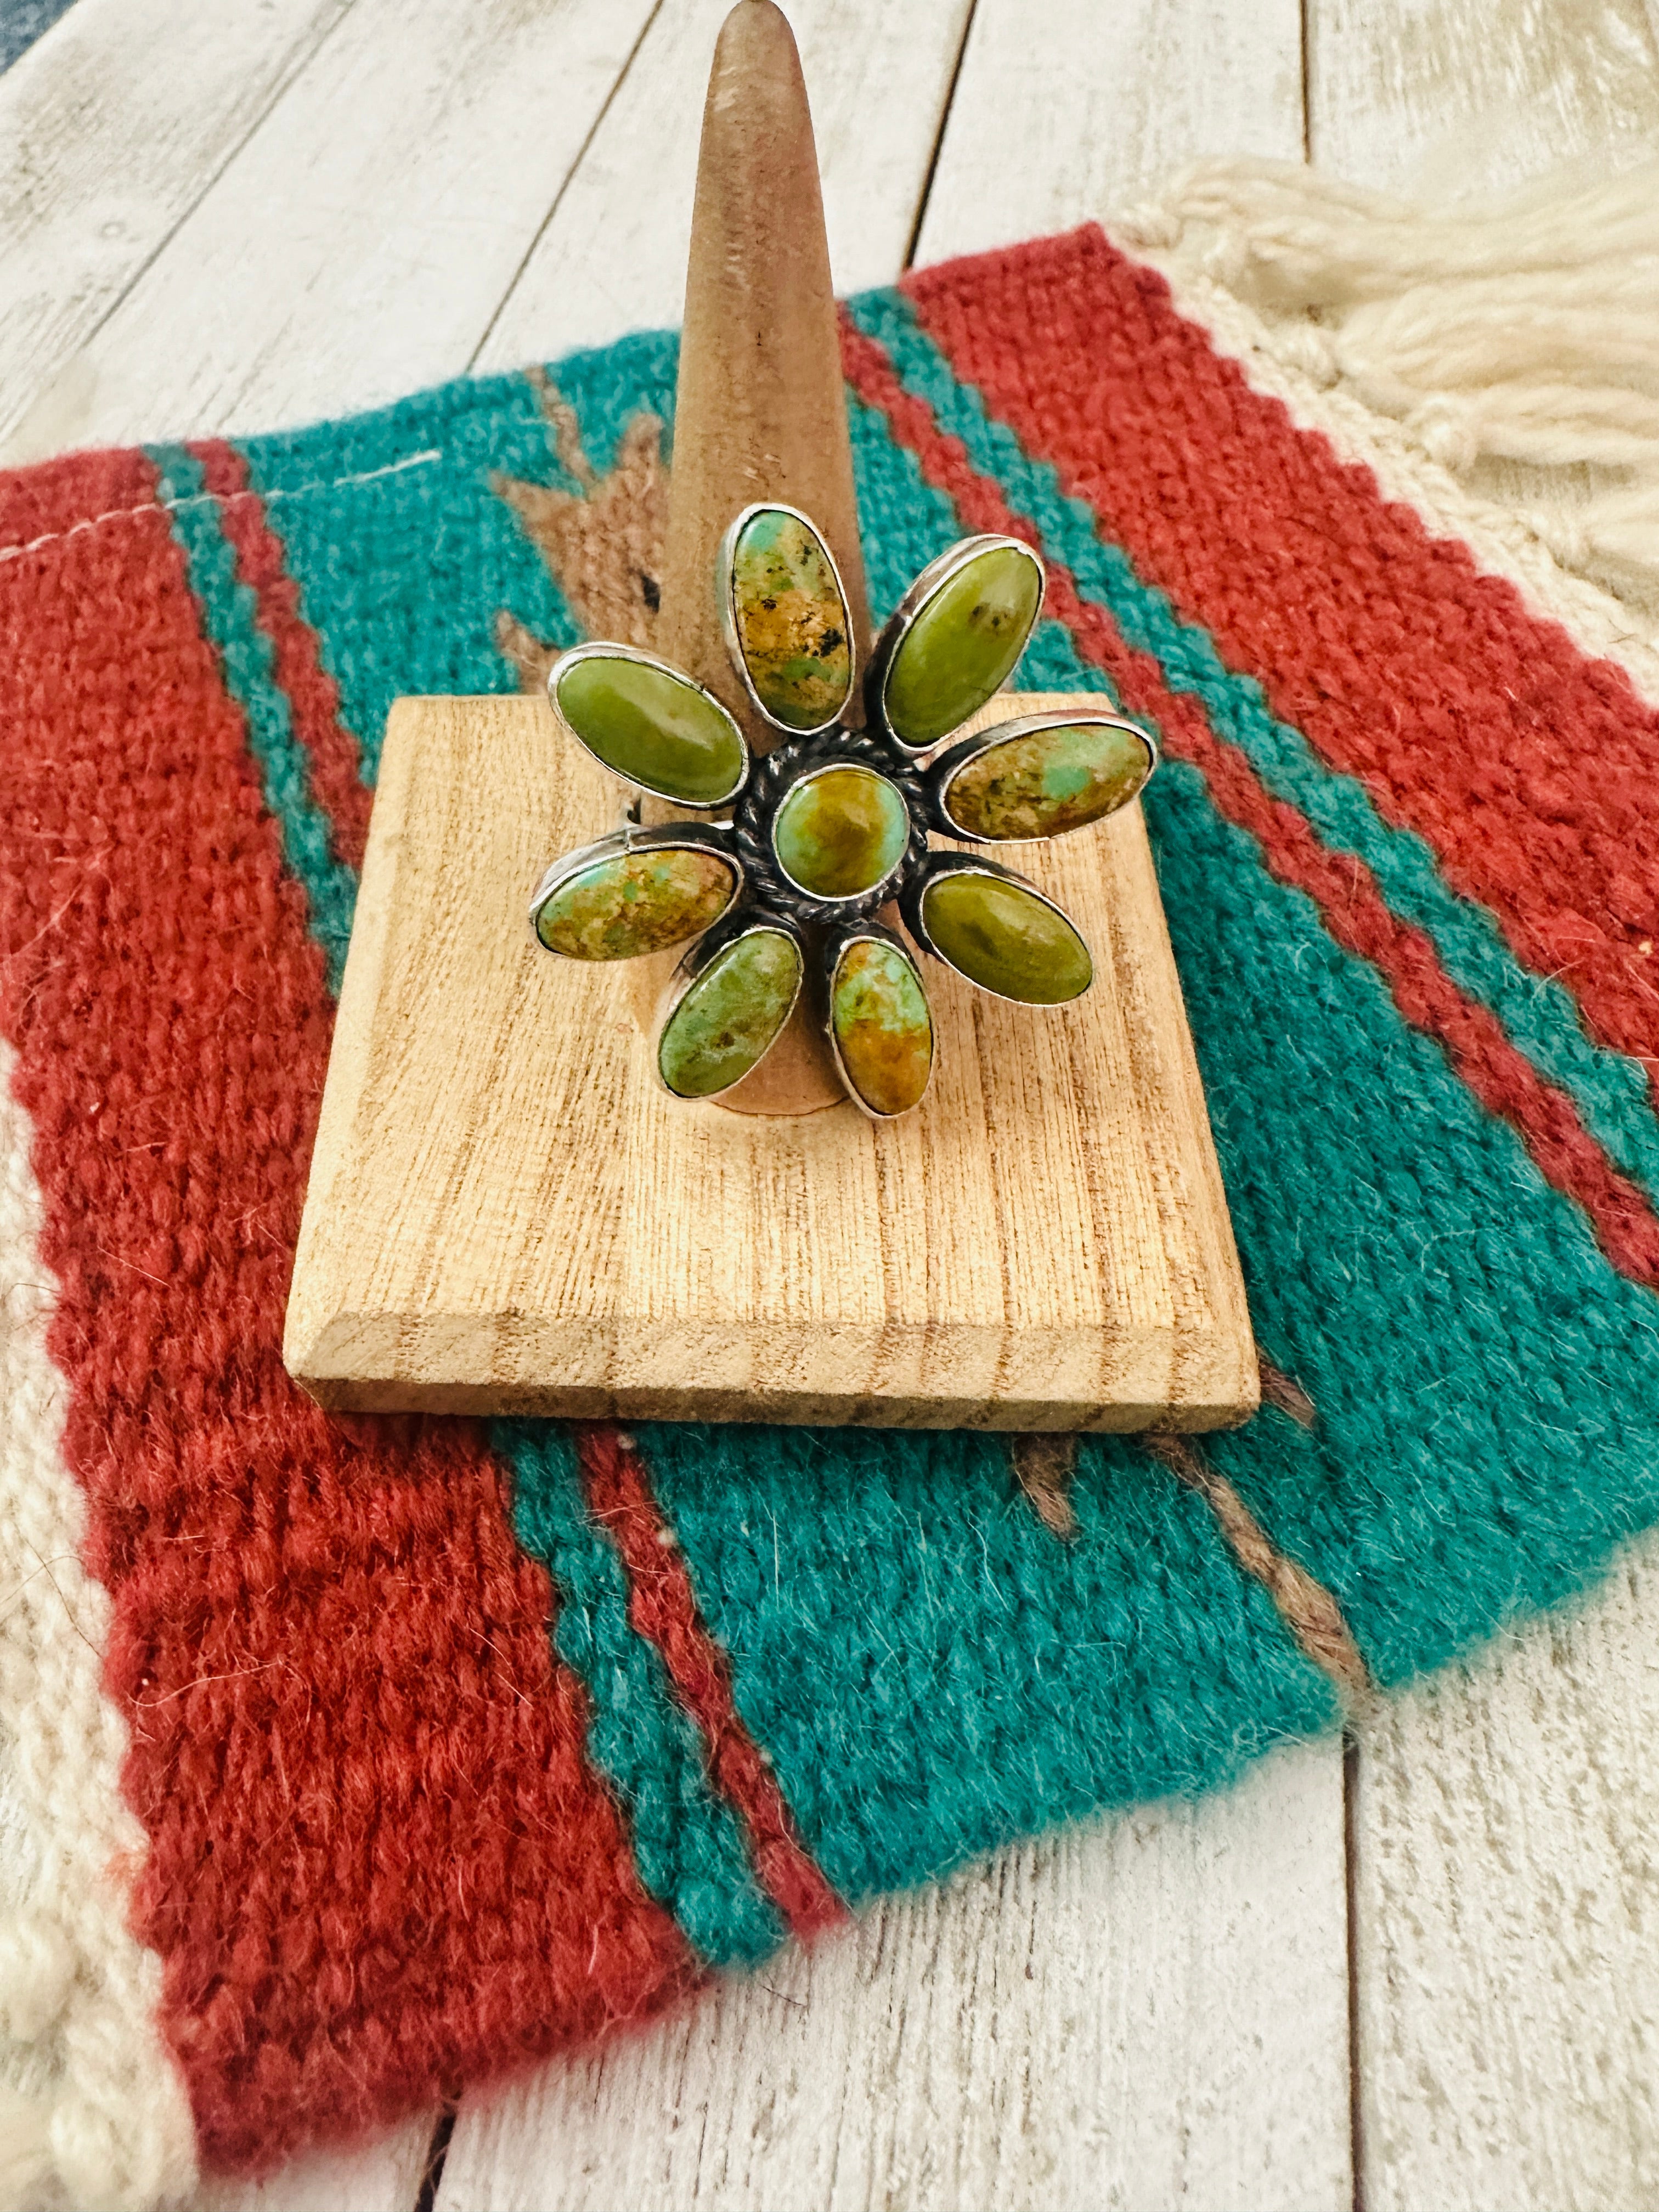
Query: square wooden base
x=507 y=1215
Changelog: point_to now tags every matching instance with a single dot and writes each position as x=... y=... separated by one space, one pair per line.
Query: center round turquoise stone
x=840 y=833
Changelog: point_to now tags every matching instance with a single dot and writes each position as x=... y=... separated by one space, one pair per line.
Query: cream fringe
x=93 y=2114
x=1515 y=339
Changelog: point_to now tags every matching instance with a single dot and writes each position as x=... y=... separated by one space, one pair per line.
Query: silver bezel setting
x=726 y=585
x=949 y=764
x=738 y=827
x=932 y=581
x=978 y=864
x=600 y=649
x=875 y=893
x=732 y=930
x=711 y=837
x=835 y=950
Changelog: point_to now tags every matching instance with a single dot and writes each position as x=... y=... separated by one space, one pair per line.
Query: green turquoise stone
x=638 y=902
x=791 y=620
x=840 y=832
x=1007 y=938
x=884 y=1032
x=653 y=727
x=1047 y=782
x=731 y=1015
x=962 y=646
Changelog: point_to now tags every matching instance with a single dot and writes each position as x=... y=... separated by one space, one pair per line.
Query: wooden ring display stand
x=505 y=1214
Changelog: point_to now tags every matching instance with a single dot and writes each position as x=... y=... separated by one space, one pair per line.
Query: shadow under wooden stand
x=505 y=1214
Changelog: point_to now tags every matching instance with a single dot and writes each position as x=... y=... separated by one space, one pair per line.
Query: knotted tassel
x=1522 y=327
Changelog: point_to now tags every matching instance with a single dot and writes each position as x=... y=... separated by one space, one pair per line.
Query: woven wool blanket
x=350 y=1760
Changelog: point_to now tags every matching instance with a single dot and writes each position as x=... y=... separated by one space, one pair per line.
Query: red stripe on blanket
x=662 y=1607
x=1350 y=904
x=378 y=1860
x=60 y=495
x=314 y=696
x=1532 y=771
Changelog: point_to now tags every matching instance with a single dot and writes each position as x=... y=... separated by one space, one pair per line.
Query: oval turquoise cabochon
x=882 y=1026
x=1043 y=783
x=789 y=619
x=635 y=903
x=1007 y=938
x=651 y=726
x=962 y=644
x=730 y=1016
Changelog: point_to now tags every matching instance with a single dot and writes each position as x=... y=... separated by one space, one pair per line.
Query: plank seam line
x=301 y=61
x=1306 y=1607
x=437 y=2153
x=927 y=192
x=1351 y=1890
x=568 y=179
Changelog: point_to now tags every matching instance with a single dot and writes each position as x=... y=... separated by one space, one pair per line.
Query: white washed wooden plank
x=1132 y=2015
x=383 y=2176
x=613 y=258
x=1070 y=111
x=1505 y=1893
x=110 y=130
x=1507 y=1903
x=360 y=242
x=1445 y=97
x=23 y=21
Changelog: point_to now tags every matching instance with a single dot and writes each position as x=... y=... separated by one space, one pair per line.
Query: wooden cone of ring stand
x=760 y=414
x=508 y=1214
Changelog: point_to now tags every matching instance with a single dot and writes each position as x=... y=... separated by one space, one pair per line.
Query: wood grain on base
x=505 y=1214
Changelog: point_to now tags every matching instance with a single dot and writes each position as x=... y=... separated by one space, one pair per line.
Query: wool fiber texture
x=350 y=1761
